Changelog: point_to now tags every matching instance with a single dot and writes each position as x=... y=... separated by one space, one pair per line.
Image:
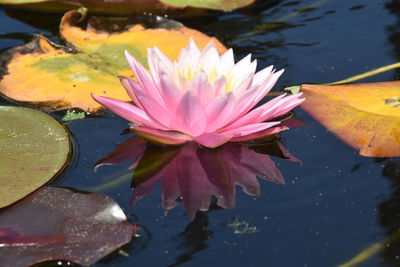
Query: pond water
x=334 y=203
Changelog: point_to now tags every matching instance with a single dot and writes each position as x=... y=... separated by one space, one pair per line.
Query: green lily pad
x=34 y=148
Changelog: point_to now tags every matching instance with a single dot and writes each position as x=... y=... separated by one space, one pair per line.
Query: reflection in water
x=36 y=19
x=193 y=239
x=389 y=211
x=194 y=175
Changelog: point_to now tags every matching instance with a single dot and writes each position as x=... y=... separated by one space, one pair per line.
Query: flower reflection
x=195 y=175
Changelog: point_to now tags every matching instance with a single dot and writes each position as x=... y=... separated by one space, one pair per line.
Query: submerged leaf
x=57 y=77
x=34 y=147
x=161 y=7
x=365 y=116
x=59 y=224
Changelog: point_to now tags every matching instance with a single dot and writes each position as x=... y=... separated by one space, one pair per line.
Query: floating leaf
x=365 y=116
x=161 y=7
x=59 y=224
x=57 y=77
x=34 y=147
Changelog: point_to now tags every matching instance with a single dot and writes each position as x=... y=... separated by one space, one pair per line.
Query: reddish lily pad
x=161 y=7
x=59 y=224
x=365 y=116
x=34 y=148
x=57 y=77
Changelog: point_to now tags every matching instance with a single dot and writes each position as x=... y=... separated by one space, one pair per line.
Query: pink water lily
x=203 y=96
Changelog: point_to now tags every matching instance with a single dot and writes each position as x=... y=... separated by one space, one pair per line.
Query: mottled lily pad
x=34 y=148
x=365 y=116
x=59 y=224
x=161 y=7
x=57 y=77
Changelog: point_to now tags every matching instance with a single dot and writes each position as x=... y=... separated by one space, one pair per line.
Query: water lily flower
x=203 y=97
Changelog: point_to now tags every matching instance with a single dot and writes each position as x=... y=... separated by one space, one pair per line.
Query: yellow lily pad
x=34 y=148
x=60 y=77
x=161 y=7
x=364 y=116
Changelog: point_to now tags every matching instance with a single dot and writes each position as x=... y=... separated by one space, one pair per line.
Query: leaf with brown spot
x=364 y=116
x=57 y=77
x=59 y=224
x=160 y=7
x=34 y=148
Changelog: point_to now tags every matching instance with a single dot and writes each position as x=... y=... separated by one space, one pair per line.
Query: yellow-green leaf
x=161 y=7
x=365 y=116
x=34 y=147
x=57 y=77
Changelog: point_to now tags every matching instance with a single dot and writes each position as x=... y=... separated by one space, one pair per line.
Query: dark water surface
x=332 y=206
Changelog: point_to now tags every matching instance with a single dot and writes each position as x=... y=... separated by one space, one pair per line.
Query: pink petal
x=267 y=86
x=249 y=129
x=153 y=108
x=274 y=108
x=126 y=82
x=242 y=64
x=170 y=93
x=260 y=134
x=159 y=63
x=254 y=116
x=209 y=58
x=227 y=61
x=201 y=88
x=262 y=75
x=285 y=105
x=243 y=104
x=153 y=62
x=244 y=85
x=144 y=79
x=189 y=56
x=219 y=86
x=162 y=137
x=252 y=96
x=128 y=111
x=212 y=140
x=191 y=116
x=242 y=77
x=219 y=111
x=165 y=64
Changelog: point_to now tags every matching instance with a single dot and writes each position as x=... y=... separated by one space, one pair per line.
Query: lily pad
x=161 y=7
x=59 y=224
x=57 y=77
x=34 y=148
x=364 y=116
